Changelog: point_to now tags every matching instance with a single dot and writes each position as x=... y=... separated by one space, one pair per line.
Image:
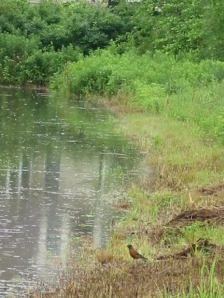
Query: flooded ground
x=60 y=169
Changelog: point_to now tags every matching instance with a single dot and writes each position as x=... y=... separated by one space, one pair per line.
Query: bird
x=134 y=254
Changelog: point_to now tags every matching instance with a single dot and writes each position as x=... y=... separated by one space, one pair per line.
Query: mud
x=213 y=215
x=203 y=245
x=213 y=190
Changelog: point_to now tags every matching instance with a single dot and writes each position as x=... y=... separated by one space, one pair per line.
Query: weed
x=104 y=258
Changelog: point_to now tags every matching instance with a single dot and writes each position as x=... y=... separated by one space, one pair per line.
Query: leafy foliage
x=51 y=27
x=181 y=28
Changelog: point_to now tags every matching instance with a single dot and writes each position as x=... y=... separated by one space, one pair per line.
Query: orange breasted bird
x=134 y=254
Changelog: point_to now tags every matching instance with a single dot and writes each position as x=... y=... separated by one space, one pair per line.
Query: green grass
x=207 y=288
x=179 y=89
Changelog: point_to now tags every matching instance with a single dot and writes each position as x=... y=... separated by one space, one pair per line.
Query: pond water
x=61 y=166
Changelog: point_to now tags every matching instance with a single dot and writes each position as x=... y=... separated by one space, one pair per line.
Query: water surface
x=60 y=169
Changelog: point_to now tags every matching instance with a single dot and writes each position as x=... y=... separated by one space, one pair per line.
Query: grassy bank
x=187 y=175
x=159 y=84
x=175 y=212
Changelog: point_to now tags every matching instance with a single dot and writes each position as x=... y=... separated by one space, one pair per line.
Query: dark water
x=60 y=167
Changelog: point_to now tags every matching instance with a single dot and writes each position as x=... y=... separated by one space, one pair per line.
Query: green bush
x=22 y=61
x=107 y=72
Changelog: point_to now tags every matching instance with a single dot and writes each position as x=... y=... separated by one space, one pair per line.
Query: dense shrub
x=52 y=27
x=21 y=60
x=107 y=72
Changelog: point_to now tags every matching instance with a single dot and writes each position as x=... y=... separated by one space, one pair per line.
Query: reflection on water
x=57 y=172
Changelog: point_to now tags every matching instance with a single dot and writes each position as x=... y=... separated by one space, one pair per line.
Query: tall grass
x=209 y=286
x=182 y=89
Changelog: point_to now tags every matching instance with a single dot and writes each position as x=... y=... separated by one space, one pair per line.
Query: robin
x=134 y=254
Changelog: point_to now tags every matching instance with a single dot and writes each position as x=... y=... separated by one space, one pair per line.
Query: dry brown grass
x=208 y=215
x=122 y=279
x=122 y=205
x=104 y=257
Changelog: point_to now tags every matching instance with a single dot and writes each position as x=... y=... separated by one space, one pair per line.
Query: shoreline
x=26 y=86
x=151 y=224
